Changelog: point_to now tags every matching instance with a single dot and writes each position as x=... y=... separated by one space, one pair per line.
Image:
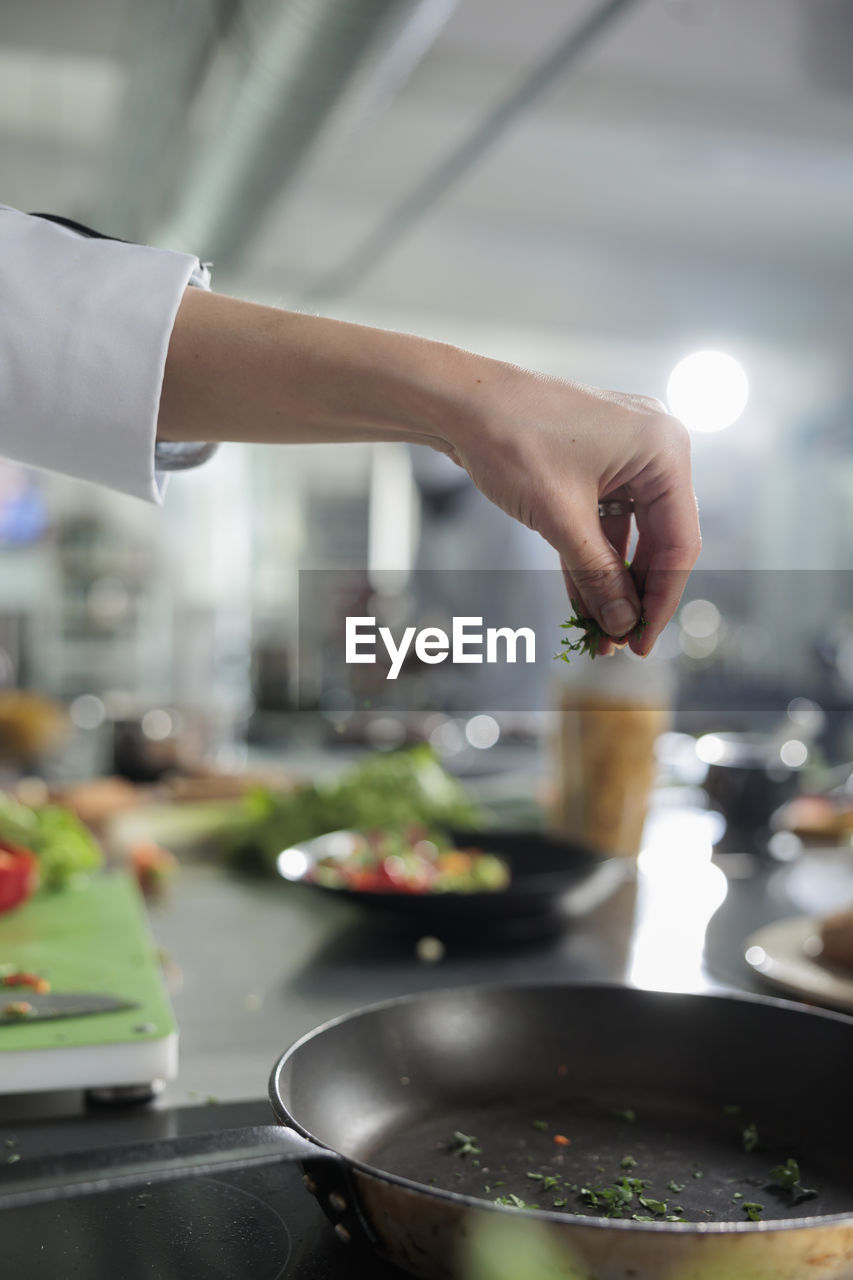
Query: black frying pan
x=372 y=1101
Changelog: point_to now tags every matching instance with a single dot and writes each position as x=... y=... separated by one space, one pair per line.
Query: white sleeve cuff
x=84 y=330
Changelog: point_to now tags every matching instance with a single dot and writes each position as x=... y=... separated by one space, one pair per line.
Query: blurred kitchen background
x=596 y=190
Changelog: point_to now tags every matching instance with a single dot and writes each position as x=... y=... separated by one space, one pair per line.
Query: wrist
x=400 y=387
x=457 y=396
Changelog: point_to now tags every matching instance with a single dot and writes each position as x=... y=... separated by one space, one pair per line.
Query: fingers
x=595 y=569
x=617 y=531
x=668 y=546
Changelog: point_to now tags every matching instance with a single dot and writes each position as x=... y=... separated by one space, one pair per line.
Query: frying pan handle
x=48 y=1179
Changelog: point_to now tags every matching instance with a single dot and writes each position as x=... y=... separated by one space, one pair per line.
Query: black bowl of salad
x=453 y=881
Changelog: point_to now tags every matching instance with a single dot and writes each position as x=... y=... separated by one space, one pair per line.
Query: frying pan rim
x=284 y=1115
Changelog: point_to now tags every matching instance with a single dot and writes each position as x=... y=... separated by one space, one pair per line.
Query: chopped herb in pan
x=464 y=1144
x=612 y=1200
x=624 y=1113
x=549 y=1182
x=732 y=1109
x=750 y=1137
x=654 y=1206
x=626 y=1196
x=787 y=1175
x=515 y=1202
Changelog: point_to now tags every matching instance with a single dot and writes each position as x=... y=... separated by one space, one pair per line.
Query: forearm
x=238 y=371
x=544 y=450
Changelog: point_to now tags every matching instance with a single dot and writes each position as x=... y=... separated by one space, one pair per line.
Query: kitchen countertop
x=256 y=964
x=253 y=964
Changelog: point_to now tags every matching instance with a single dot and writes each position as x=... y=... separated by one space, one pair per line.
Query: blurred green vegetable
x=386 y=790
x=511 y=1248
x=63 y=845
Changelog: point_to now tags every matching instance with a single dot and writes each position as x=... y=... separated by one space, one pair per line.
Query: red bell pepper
x=18 y=875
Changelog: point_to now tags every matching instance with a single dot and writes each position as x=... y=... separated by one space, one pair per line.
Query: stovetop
x=258 y=1223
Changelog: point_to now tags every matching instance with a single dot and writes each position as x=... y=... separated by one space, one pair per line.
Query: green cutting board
x=91 y=938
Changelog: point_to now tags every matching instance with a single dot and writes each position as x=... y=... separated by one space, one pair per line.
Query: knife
x=61 y=1004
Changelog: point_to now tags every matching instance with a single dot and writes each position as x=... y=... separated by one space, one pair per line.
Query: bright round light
x=794 y=753
x=700 y=619
x=292 y=864
x=707 y=390
x=157 y=725
x=482 y=732
x=87 y=711
x=710 y=749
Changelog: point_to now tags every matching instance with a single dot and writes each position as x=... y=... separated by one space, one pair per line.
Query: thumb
x=602 y=581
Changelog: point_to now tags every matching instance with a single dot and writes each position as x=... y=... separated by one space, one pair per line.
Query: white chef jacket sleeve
x=84 y=329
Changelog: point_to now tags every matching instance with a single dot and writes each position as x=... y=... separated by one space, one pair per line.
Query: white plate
x=786 y=953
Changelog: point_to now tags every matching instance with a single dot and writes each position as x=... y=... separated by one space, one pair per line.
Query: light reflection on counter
x=678 y=891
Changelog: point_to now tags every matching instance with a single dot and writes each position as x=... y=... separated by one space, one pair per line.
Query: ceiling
x=689 y=175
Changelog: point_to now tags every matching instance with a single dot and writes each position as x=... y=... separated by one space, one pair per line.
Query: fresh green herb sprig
x=592 y=634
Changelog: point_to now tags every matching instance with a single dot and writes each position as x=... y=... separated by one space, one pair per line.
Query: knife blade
x=60 y=1004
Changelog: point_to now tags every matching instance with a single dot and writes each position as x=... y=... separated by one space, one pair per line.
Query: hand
x=548 y=451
